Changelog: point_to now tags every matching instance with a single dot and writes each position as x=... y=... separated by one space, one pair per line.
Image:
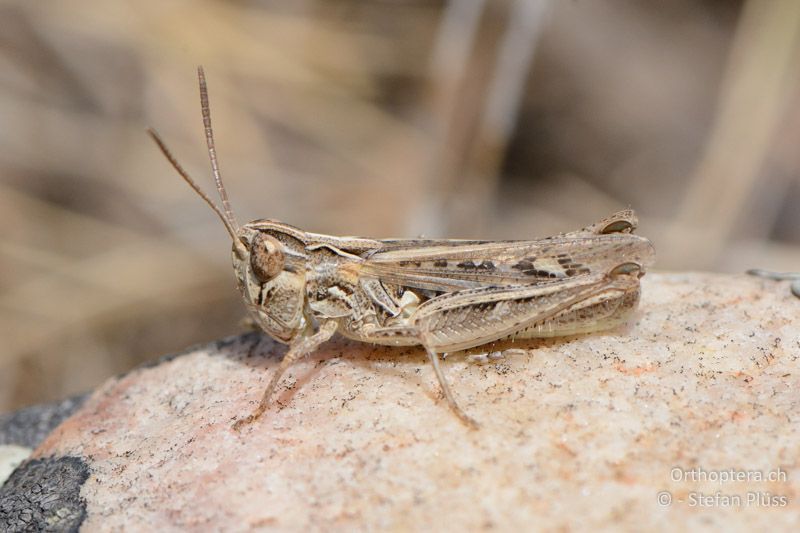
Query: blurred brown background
x=505 y=119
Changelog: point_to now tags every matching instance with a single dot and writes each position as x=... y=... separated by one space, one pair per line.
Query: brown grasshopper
x=445 y=295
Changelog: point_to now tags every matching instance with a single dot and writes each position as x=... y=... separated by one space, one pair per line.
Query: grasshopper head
x=268 y=257
x=270 y=273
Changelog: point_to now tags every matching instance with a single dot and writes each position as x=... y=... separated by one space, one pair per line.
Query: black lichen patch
x=161 y=360
x=28 y=427
x=44 y=495
x=215 y=347
x=227 y=342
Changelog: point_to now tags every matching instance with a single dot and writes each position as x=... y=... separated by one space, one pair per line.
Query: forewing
x=457 y=265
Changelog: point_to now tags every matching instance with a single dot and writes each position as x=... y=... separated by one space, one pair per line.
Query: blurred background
x=468 y=118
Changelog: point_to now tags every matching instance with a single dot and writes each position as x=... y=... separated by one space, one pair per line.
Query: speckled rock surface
x=583 y=433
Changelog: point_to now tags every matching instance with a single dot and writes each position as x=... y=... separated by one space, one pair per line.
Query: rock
x=29 y=426
x=624 y=429
x=23 y=430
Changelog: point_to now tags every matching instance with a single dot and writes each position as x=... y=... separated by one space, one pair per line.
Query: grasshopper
x=445 y=295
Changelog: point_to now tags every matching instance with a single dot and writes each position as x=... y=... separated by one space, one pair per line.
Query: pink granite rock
x=580 y=433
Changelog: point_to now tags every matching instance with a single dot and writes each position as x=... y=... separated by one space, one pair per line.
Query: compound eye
x=626 y=269
x=618 y=226
x=266 y=257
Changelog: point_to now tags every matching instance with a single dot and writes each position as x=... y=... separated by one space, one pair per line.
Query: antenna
x=212 y=151
x=226 y=216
